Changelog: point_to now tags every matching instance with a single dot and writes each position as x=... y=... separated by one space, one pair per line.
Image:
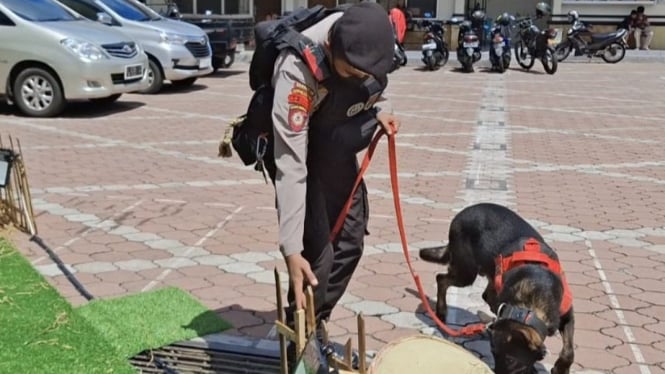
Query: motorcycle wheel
x=614 y=53
x=506 y=60
x=445 y=54
x=523 y=56
x=500 y=67
x=563 y=50
x=549 y=61
x=404 y=60
x=431 y=63
x=468 y=67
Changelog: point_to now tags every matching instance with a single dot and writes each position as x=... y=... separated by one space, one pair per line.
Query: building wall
x=444 y=8
x=516 y=8
x=617 y=8
x=606 y=15
x=199 y=6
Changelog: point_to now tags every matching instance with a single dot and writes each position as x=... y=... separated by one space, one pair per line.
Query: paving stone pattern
x=133 y=197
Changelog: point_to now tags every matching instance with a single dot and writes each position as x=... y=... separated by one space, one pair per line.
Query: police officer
x=319 y=126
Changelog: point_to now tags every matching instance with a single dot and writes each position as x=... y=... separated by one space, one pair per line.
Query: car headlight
x=84 y=50
x=170 y=38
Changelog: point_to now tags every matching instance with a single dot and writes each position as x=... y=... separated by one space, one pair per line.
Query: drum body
x=425 y=354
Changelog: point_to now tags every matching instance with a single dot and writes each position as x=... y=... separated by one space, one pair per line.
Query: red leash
x=468 y=330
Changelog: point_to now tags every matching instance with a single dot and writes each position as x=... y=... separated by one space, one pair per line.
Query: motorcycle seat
x=596 y=37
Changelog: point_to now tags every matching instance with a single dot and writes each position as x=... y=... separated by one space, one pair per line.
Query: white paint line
x=434 y=220
x=587 y=112
x=198 y=244
x=385 y=216
x=218 y=227
x=434 y=119
x=272 y=333
x=170 y=201
x=119 y=197
x=88 y=231
x=187 y=114
x=219 y=205
x=637 y=353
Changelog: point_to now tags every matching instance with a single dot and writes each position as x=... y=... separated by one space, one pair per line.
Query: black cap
x=363 y=36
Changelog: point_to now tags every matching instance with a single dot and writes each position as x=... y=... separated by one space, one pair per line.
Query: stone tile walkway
x=134 y=197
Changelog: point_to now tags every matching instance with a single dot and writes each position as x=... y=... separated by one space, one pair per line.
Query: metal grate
x=198 y=50
x=121 y=50
x=185 y=357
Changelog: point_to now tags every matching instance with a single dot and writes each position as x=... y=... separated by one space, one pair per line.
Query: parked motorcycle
x=434 y=48
x=468 y=45
x=500 y=53
x=400 y=58
x=535 y=44
x=611 y=47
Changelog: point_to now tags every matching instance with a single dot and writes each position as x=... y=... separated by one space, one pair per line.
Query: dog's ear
x=532 y=337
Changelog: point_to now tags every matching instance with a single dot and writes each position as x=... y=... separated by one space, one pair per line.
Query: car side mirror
x=104 y=18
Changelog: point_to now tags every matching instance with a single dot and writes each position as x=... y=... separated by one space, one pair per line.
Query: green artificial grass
x=149 y=320
x=39 y=331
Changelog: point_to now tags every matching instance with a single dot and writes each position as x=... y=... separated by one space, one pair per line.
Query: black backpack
x=251 y=134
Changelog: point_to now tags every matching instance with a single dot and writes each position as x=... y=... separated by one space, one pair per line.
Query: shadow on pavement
x=479 y=344
x=224 y=73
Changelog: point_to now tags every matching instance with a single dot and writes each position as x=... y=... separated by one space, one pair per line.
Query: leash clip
x=261 y=147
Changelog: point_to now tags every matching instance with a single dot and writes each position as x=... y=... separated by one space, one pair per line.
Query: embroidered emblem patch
x=300 y=102
x=297 y=119
x=355 y=109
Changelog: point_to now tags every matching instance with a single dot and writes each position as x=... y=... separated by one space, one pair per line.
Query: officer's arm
x=384 y=105
x=291 y=109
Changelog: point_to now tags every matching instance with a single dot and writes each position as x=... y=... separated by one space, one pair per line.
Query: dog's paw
x=442 y=312
x=557 y=369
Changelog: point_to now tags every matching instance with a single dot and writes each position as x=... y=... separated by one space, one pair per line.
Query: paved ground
x=134 y=198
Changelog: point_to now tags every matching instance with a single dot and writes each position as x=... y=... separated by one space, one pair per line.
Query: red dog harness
x=531 y=253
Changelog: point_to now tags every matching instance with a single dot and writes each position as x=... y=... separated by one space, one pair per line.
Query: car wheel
x=216 y=64
x=155 y=78
x=37 y=93
x=184 y=83
x=228 y=60
x=106 y=100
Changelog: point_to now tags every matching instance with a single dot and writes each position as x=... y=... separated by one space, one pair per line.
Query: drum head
x=426 y=354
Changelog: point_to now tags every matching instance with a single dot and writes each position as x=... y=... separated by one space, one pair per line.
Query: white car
x=49 y=54
x=179 y=51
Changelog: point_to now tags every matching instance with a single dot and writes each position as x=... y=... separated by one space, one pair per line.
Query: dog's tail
x=438 y=255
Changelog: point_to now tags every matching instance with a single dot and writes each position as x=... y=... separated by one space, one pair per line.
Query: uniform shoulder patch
x=300 y=103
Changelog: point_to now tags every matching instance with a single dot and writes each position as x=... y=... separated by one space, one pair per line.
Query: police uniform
x=318 y=128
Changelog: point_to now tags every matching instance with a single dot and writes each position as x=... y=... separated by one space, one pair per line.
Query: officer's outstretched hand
x=299 y=272
x=389 y=122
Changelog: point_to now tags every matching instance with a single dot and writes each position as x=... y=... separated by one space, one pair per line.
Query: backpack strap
x=312 y=54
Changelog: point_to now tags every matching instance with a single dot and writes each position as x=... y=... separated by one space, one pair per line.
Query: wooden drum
x=422 y=354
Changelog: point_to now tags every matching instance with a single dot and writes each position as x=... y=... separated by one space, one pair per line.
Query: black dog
x=527 y=290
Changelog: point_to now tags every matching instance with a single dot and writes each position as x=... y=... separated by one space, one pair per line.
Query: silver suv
x=49 y=54
x=178 y=51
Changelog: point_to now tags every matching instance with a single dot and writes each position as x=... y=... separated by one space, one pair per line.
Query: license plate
x=559 y=35
x=133 y=71
x=471 y=45
x=204 y=63
x=431 y=45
